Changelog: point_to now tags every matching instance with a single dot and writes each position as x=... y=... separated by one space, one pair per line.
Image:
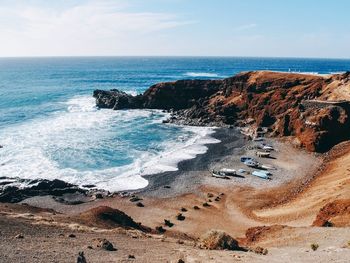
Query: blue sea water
x=50 y=128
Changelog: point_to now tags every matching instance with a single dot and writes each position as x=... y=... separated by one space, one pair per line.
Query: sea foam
x=202 y=74
x=63 y=145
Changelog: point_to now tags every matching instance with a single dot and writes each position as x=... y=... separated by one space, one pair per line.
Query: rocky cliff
x=313 y=110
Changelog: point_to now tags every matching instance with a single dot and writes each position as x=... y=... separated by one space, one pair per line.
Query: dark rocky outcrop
x=107 y=217
x=14 y=194
x=312 y=109
x=116 y=100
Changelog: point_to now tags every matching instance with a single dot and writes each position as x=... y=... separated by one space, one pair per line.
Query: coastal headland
x=301 y=214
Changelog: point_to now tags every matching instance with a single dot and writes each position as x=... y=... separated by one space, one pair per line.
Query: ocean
x=51 y=129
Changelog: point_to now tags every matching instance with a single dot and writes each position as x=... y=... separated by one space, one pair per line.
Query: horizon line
x=171 y=56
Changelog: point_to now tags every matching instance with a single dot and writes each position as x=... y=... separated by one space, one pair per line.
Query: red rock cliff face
x=289 y=105
x=314 y=110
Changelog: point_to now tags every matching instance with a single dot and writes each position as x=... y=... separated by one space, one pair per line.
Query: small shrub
x=314 y=246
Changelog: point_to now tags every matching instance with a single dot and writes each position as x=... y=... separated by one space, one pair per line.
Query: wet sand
x=191 y=173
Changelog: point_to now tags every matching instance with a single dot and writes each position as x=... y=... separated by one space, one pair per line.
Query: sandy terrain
x=243 y=203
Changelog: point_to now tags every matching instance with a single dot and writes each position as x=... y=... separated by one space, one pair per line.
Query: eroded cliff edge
x=313 y=110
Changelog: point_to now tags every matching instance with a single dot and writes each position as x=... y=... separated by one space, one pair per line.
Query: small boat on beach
x=217 y=174
x=228 y=172
x=268 y=167
x=246 y=158
x=252 y=163
x=224 y=173
x=262 y=174
x=268 y=148
x=262 y=154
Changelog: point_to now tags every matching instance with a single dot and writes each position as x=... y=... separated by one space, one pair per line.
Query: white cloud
x=245 y=27
x=86 y=29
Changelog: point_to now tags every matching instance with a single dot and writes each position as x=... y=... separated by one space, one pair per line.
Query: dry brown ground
x=237 y=210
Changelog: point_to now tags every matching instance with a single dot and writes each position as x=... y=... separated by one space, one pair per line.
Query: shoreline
x=191 y=172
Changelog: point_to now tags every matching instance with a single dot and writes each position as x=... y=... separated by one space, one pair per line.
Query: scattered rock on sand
x=135 y=199
x=196 y=207
x=81 y=257
x=206 y=204
x=218 y=239
x=160 y=229
x=180 y=217
x=19 y=236
x=105 y=244
x=168 y=223
x=139 y=204
x=98 y=196
x=180 y=242
x=183 y=209
x=210 y=195
x=260 y=250
x=131 y=257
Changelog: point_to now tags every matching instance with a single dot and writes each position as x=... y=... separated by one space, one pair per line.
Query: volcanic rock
x=336 y=213
x=313 y=109
x=219 y=240
x=13 y=194
x=107 y=217
x=116 y=100
x=105 y=244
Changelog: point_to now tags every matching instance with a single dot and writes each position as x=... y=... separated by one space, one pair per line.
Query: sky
x=257 y=28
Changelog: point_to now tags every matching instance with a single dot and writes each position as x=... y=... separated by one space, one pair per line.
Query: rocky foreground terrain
x=312 y=109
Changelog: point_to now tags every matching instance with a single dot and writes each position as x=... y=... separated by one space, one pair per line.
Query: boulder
x=218 y=240
x=105 y=244
x=116 y=100
x=107 y=217
x=81 y=257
